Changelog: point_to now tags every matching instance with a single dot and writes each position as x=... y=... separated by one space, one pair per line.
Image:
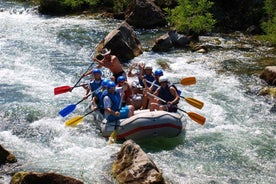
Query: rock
x=178 y=40
x=42 y=178
x=172 y=39
x=123 y=42
x=163 y=44
x=140 y=10
x=269 y=75
x=268 y=91
x=199 y=48
x=133 y=166
x=6 y=156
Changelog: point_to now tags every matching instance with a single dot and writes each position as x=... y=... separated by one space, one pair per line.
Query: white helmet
x=163 y=79
x=148 y=66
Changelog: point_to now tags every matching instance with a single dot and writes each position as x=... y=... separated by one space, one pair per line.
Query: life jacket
x=155 y=85
x=147 y=77
x=165 y=93
x=115 y=99
x=94 y=85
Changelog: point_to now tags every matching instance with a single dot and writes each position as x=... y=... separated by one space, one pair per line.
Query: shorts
x=124 y=111
x=116 y=75
x=172 y=108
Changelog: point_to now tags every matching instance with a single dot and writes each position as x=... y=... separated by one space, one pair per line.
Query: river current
x=38 y=53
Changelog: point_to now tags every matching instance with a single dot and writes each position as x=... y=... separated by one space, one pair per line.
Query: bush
x=191 y=16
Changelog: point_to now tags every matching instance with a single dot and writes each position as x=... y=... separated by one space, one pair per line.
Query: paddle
x=188 y=81
x=196 y=117
x=77 y=119
x=64 y=89
x=194 y=102
x=70 y=108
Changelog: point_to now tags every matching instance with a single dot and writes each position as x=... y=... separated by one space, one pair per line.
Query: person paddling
x=112 y=63
x=112 y=104
x=168 y=93
x=94 y=86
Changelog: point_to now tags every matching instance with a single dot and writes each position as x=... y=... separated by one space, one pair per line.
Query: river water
x=38 y=53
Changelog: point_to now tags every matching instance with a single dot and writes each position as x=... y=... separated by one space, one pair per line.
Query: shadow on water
x=161 y=143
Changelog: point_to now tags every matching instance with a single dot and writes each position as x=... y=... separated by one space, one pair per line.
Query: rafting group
x=115 y=98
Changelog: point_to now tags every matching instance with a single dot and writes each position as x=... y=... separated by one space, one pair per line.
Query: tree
x=191 y=16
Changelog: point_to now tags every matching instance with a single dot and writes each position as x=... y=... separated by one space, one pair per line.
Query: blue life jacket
x=95 y=85
x=115 y=99
x=165 y=94
x=147 y=77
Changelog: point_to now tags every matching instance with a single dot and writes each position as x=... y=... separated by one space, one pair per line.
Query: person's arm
x=175 y=94
x=100 y=62
x=107 y=107
x=130 y=74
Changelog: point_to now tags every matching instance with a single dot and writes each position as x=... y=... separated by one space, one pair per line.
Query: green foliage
x=119 y=5
x=191 y=16
x=270 y=25
x=79 y=4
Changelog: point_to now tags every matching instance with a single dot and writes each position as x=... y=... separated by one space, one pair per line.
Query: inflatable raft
x=144 y=124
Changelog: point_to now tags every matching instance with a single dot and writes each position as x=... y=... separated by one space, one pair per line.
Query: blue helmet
x=97 y=71
x=121 y=78
x=105 y=82
x=158 y=72
x=111 y=84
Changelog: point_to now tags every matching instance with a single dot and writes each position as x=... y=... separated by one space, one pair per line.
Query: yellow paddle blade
x=188 y=81
x=74 y=121
x=112 y=137
x=197 y=118
x=194 y=102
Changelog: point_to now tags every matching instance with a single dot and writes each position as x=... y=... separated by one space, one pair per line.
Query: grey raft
x=144 y=124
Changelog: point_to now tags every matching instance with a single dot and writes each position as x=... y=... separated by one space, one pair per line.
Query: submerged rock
x=6 y=156
x=133 y=166
x=269 y=75
x=268 y=91
x=42 y=178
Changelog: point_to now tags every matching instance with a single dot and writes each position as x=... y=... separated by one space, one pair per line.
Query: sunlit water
x=38 y=53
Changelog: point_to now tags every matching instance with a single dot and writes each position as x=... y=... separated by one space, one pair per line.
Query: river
x=237 y=144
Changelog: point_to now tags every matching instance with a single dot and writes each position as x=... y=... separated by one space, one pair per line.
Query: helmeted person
x=121 y=82
x=168 y=93
x=147 y=75
x=112 y=104
x=147 y=78
x=136 y=97
x=98 y=102
x=154 y=85
x=94 y=86
x=157 y=74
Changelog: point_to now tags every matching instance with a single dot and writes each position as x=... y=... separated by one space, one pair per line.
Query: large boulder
x=269 y=75
x=145 y=14
x=170 y=40
x=163 y=44
x=42 y=178
x=123 y=42
x=134 y=166
x=6 y=156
